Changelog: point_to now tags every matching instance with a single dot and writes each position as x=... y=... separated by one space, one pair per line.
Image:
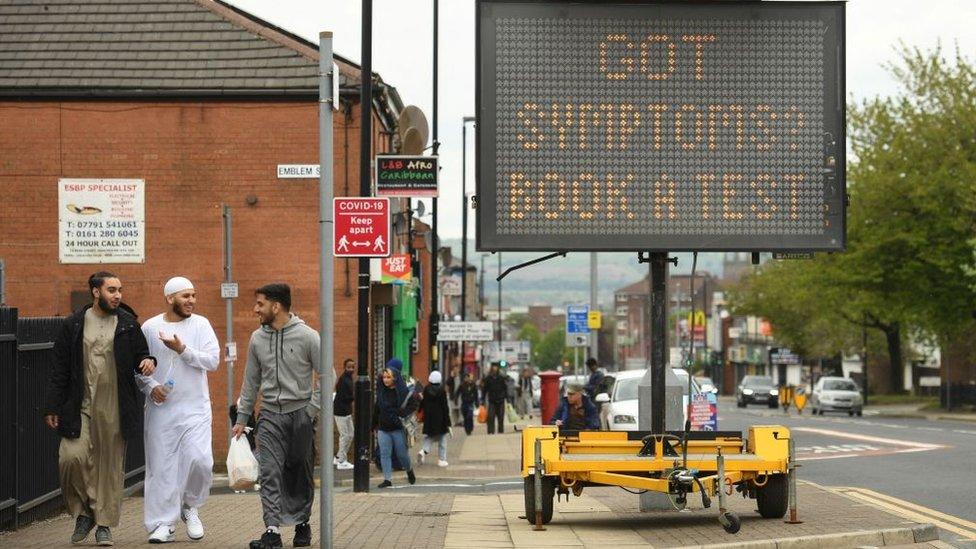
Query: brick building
x=201 y=101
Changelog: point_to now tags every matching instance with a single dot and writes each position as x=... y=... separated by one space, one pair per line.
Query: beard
x=265 y=320
x=107 y=306
x=178 y=311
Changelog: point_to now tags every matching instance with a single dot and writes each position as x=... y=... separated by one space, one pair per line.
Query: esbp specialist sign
x=406 y=176
x=101 y=221
x=660 y=126
x=361 y=227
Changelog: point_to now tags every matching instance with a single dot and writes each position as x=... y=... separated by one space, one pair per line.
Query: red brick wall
x=194 y=156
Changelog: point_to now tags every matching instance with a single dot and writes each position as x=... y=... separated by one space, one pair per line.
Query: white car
x=836 y=394
x=623 y=401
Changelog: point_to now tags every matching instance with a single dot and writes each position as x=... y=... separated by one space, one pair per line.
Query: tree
x=910 y=261
x=530 y=333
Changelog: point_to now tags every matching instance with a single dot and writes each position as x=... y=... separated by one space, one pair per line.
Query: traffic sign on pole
x=361 y=227
x=577 y=325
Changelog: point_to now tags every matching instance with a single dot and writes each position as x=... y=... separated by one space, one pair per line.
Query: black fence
x=29 y=486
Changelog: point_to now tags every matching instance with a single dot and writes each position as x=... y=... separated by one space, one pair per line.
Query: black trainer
x=384 y=484
x=303 y=535
x=83 y=525
x=103 y=537
x=269 y=540
x=412 y=478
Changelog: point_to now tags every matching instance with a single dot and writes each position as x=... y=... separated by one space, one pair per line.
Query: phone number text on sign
x=661 y=126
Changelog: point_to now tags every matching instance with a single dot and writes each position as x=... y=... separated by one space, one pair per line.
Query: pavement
x=917 y=411
x=477 y=502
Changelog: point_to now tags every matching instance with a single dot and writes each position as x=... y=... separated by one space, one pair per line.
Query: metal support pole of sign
x=594 y=334
x=228 y=277
x=435 y=244
x=538 y=485
x=792 y=484
x=362 y=435
x=658 y=271
x=326 y=284
x=464 y=228
x=576 y=361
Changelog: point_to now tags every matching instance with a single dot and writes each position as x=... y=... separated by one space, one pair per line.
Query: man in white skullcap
x=179 y=458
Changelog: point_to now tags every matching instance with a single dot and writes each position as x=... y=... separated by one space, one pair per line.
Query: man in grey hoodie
x=281 y=357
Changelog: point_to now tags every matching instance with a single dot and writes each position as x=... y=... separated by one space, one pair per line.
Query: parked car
x=836 y=394
x=707 y=385
x=623 y=412
x=756 y=390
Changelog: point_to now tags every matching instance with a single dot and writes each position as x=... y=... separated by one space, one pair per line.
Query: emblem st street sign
x=361 y=227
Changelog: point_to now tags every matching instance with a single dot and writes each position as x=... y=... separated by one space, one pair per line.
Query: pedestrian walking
x=452 y=384
x=94 y=404
x=595 y=383
x=342 y=409
x=467 y=394
x=576 y=412
x=393 y=403
x=437 y=423
x=179 y=455
x=524 y=399
x=495 y=389
x=282 y=355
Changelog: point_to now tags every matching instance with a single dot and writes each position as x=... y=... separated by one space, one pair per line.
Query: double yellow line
x=911 y=511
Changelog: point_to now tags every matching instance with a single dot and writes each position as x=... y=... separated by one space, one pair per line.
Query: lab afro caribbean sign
x=661 y=126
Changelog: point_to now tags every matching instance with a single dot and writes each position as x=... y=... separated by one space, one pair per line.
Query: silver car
x=836 y=394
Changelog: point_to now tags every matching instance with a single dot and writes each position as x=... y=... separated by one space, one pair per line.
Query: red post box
x=550 y=394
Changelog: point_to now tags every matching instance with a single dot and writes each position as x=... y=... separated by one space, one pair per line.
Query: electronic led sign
x=660 y=126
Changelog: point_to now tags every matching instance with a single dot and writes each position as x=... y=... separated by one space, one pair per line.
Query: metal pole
x=594 y=334
x=229 y=303
x=481 y=286
x=364 y=398
x=576 y=361
x=658 y=341
x=3 y=282
x=499 y=303
x=435 y=244
x=326 y=284
x=864 y=360
x=791 y=466
x=464 y=230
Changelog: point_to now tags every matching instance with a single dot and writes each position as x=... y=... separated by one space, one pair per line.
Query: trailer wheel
x=548 y=493
x=773 y=497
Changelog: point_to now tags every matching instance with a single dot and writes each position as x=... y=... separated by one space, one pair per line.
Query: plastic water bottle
x=167 y=389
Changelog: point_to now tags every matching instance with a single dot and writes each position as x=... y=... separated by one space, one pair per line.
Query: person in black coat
x=437 y=419
x=495 y=389
x=342 y=409
x=467 y=393
x=393 y=403
x=95 y=406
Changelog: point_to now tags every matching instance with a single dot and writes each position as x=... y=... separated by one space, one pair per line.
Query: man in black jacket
x=342 y=409
x=94 y=404
x=495 y=389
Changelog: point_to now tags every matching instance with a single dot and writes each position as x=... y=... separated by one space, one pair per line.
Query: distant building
x=545 y=319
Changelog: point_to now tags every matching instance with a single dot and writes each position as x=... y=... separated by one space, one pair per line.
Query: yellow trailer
x=710 y=463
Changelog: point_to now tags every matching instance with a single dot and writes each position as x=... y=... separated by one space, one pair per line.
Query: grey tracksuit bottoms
x=287 y=456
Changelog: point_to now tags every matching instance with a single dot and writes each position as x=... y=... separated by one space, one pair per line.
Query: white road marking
x=912 y=511
x=868 y=438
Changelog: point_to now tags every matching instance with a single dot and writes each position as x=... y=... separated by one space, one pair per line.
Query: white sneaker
x=441 y=463
x=336 y=460
x=194 y=526
x=344 y=465
x=164 y=533
x=421 y=456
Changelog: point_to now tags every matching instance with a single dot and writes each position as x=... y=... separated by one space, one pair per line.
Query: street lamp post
x=481 y=286
x=464 y=225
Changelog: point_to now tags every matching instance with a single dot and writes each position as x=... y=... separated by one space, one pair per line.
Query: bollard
x=538 y=485
x=791 y=467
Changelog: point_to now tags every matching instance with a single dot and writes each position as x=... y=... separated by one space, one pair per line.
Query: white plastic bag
x=242 y=466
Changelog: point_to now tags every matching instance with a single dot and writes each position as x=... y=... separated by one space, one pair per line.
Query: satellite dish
x=421 y=209
x=413 y=129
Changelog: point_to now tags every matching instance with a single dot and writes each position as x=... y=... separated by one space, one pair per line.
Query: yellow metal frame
x=609 y=458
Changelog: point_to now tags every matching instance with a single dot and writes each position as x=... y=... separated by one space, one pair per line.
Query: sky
x=403 y=56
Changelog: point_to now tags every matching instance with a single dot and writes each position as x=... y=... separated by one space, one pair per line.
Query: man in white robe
x=179 y=455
